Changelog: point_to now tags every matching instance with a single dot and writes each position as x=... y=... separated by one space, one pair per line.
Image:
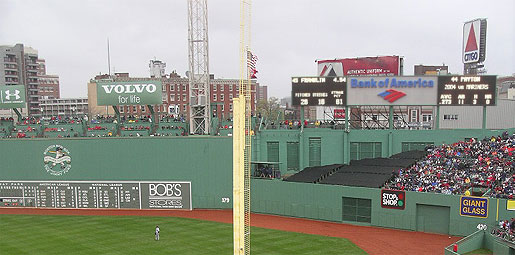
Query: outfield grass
x=479 y=251
x=43 y=234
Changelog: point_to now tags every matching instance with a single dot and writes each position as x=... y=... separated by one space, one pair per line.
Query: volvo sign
x=129 y=93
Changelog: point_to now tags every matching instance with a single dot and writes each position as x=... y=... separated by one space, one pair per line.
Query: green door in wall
x=433 y=218
x=292 y=160
x=315 y=151
x=272 y=149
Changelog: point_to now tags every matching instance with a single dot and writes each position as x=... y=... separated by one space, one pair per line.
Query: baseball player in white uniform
x=157 y=233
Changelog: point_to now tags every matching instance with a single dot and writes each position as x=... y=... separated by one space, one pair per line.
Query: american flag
x=251 y=64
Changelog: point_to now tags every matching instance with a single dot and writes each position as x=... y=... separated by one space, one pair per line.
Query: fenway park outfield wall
x=206 y=162
x=426 y=212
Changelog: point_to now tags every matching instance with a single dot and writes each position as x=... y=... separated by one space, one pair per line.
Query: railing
x=467 y=244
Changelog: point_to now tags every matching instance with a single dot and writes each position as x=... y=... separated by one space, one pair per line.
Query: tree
x=269 y=110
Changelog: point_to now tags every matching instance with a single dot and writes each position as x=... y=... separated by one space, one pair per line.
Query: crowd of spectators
x=458 y=167
x=140 y=127
x=9 y=119
x=297 y=124
x=60 y=129
x=29 y=121
x=506 y=230
x=62 y=120
x=101 y=119
x=135 y=119
x=172 y=118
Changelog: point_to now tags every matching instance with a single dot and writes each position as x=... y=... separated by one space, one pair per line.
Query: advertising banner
x=129 y=93
x=12 y=97
x=393 y=199
x=367 y=66
x=474 y=206
x=339 y=114
x=510 y=205
x=166 y=195
x=392 y=90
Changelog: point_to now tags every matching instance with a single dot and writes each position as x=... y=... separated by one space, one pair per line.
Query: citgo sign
x=129 y=93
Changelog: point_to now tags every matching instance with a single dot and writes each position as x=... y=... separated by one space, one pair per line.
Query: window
x=214 y=87
x=365 y=150
x=164 y=88
x=172 y=87
x=163 y=97
x=172 y=97
x=222 y=87
x=121 y=107
x=142 y=107
x=230 y=87
x=223 y=108
x=184 y=87
x=184 y=97
x=134 y=108
x=214 y=97
x=178 y=97
x=184 y=108
x=230 y=107
x=230 y=96
x=414 y=115
x=221 y=97
x=450 y=117
x=172 y=109
x=427 y=117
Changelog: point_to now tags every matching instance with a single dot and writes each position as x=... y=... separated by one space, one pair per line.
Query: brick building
x=48 y=84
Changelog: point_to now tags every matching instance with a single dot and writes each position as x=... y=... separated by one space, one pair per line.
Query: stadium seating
x=459 y=167
x=63 y=130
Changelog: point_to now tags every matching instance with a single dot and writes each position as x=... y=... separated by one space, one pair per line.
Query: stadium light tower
x=198 y=52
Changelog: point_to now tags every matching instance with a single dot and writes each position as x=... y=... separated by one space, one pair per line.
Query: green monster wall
x=207 y=163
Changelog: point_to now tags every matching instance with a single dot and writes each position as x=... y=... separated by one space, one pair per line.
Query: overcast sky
x=288 y=36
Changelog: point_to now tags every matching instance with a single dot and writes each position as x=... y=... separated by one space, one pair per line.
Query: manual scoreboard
x=319 y=91
x=99 y=195
x=467 y=90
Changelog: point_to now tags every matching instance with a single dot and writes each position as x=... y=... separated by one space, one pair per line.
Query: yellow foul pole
x=242 y=141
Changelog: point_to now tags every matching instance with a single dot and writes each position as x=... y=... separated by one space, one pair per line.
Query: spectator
x=456 y=168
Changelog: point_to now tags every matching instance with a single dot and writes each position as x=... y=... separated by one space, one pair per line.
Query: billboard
x=392 y=90
x=339 y=114
x=12 y=97
x=129 y=93
x=318 y=91
x=366 y=66
x=393 y=199
x=474 y=207
x=474 y=41
x=467 y=90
